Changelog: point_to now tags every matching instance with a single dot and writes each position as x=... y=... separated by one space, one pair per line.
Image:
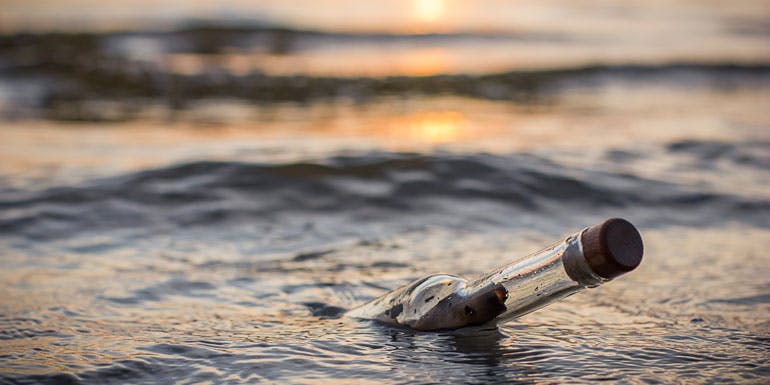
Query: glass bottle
x=589 y=258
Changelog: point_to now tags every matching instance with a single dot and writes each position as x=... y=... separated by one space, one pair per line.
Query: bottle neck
x=575 y=264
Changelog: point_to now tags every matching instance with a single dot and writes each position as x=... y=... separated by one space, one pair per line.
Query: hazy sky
x=389 y=15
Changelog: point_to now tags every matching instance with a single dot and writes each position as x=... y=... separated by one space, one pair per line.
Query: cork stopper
x=612 y=248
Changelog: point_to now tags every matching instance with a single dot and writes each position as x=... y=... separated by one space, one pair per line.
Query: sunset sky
x=395 y=15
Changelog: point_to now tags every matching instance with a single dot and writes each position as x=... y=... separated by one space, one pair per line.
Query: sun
x=429 y=10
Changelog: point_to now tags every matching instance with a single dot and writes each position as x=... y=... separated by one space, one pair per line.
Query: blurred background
x=394 y=75
x=199 y=189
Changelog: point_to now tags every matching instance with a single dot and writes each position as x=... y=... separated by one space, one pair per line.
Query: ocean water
x=202 y=204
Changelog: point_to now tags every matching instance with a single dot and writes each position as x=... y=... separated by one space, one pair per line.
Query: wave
x=64 y=92
x=384 y=187
x=88 y=77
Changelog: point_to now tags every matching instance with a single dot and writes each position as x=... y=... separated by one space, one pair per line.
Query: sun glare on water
x=435 y=127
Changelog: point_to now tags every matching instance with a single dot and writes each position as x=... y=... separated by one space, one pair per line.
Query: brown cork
x=612 y=248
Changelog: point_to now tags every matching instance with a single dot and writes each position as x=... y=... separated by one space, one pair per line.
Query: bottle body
x=441 y=301
x=438 y=301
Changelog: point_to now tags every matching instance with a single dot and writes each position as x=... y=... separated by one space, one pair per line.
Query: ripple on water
x=251 y=284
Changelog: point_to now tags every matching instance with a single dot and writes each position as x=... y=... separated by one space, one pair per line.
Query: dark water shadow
x=472 y=355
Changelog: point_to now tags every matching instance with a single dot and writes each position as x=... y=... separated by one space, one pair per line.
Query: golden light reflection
x=417 y=61
x=429 y=10
x=35 y=153
x=436 y=127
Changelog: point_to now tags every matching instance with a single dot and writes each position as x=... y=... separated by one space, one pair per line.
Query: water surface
x=211 y=221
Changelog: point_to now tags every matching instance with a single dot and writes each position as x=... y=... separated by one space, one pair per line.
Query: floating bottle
x=589 y=258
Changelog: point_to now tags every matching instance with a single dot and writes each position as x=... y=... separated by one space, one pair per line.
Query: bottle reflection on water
x=586 y=259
